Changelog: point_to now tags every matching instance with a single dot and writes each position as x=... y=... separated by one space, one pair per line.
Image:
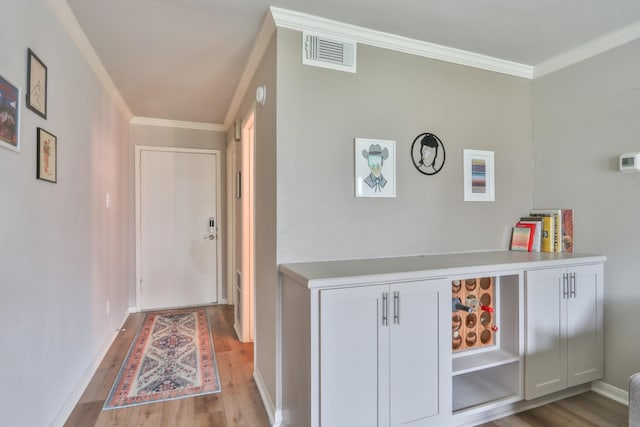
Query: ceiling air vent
x=324 y=52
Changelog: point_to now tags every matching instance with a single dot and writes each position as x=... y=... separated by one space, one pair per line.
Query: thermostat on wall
x=629 y=162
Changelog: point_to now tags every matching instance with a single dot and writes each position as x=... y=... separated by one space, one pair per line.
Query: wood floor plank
x=588 y=409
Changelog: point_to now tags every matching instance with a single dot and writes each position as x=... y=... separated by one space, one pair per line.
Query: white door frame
x=249 y=225
x=216 y=153
x=232 y=189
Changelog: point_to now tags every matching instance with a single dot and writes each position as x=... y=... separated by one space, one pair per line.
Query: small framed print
x=9 y=115
x=479 y=181
x=375 y=167
x=36 y=85
x=47 y=156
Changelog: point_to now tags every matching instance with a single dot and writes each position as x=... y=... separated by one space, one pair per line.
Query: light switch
x=107 y=200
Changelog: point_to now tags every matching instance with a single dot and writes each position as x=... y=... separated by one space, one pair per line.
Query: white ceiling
x=183 y=59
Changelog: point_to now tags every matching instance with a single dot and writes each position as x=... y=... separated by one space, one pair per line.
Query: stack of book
x=544 y=230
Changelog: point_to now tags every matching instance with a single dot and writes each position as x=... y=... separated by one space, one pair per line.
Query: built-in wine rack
x=473 y=313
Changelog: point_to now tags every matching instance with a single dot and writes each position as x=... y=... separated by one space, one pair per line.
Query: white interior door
x=177 y=228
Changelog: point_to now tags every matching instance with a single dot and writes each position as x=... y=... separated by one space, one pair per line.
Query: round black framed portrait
x=427 y=153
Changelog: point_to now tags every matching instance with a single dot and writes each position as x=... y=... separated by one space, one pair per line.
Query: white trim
x=303 y=22
x=70 y=23
x=275 y=416
x=82 y=385
x=255 y=56
x=138 y=150
x=150 y=121
x=588 y=50
x=614 y=393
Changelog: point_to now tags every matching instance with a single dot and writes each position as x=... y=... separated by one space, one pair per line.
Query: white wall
x=585 y=116
x=61 y=257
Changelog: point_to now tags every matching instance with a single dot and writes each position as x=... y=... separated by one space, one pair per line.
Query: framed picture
x=375 y=167
x=9 y=115
x=37 y=85
x=479 y=182
x=47 y=156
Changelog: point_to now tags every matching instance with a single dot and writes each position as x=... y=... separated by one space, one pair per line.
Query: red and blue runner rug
x=171 y=357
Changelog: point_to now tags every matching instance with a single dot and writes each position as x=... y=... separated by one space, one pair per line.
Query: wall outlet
x=107 y=200
x=108 y=307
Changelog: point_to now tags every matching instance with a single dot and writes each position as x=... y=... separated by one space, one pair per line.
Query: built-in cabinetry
x=385 y=340
x=371 y=342
x=564 y=341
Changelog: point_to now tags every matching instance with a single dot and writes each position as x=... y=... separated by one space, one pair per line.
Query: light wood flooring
x=584 y=410
x=237 y=405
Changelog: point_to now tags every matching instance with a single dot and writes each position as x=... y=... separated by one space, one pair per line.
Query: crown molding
x=301 y=21
x=255 y=56
x=150 y=121
x=70 y=24
x=585 y=51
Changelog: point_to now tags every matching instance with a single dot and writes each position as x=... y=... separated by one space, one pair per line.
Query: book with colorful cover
x=520 y=237
x=546 y=238
x=567 y=230
x=557 y=223
x=536 y=226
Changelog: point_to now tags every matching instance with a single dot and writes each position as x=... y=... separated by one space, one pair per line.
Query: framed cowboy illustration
x=36 y=85
x=9 y=115
x=375 y=167
x=47 y=156
x=479 y=180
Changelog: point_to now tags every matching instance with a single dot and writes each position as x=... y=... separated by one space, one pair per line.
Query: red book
x=531 y=235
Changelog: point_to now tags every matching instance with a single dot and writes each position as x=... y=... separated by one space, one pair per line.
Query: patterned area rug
x=171 y=357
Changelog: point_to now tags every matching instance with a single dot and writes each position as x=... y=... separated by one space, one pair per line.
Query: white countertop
x=323 y=274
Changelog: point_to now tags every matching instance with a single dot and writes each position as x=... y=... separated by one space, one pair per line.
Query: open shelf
x=486 y=359
x=486 y=386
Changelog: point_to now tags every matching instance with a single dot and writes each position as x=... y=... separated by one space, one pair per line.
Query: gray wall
x=585 y=116
x=61 y=257
x=162 y=136
x=395 y=96
x=266 y=276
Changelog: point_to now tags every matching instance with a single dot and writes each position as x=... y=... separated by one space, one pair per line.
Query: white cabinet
x=380 y=359
x=564 y=333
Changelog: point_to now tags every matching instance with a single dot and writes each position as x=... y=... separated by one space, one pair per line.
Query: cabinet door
x=584 y=324
x=354 y=362
x=418 y=361
x=545 y=348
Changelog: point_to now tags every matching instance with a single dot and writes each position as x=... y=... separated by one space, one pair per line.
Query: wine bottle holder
x=473 y=330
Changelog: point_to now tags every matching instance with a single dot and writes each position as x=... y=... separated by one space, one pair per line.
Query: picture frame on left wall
x=9 y=115
x=47 y=166
x=36 y=85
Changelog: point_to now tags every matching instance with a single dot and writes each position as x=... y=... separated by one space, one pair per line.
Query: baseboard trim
x=614 y=393
x=82 y=385
x=275 y=415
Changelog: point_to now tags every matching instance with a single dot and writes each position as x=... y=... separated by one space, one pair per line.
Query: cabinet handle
x=385 y=308
x=565 y=286
x=573 y=285
x=396 y=307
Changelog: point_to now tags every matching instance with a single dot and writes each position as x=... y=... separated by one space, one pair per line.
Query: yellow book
x=547 y=241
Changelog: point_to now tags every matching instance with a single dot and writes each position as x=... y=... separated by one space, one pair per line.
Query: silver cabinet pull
x=385 y=308
x=572 y=285
x=565 y=286
x=396 y=307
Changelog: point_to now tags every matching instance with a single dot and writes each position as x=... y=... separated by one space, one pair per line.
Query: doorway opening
x=244 y=294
